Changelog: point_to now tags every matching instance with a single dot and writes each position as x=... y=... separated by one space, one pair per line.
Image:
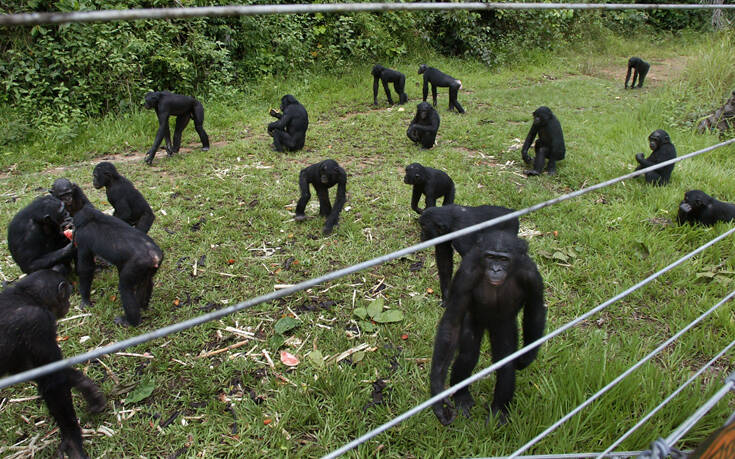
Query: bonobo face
x=99 y=179
x=541 y=115
x=151 y=100
x=423 y=110
x=497 y=266
x=414 y=174
x=377 y=69
x=422 y=68
x=62 y=189
x=658 y=138
x=694 y=199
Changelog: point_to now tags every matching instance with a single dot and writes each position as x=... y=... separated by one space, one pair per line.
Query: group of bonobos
x=495 y=280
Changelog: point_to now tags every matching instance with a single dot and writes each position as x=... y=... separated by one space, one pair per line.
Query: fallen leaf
x=267 y=421
x=142 y=391
x=68 y=233
x=556 y=233
x=391 y=315
x=289 y=359
x=316 y=358
x=61 y=338
x=404 y=336
x=429 y=290
x=230 y=261
x=286 y=324
x=176 y=302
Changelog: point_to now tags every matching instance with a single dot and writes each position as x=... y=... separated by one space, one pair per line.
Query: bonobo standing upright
x=495 y=280
x=289 y=132
x=429 y=182
x=130 y=205
x=550 y=143
x=663 y=150
x=389 y=76
x=699 y=207
x=424 y=125
x=183 y=108
x=439 y=79
x=639 y=68
x=29 y=309
x=70 y=194
x=323 y=176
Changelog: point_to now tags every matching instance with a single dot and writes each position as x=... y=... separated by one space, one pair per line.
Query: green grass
x=244 y=195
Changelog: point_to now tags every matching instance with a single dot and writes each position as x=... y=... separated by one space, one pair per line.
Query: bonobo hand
x=148 y=159
x=526 y=159
x=639 y=157
x=273 y=113
x=72 y=449
x=444 y=412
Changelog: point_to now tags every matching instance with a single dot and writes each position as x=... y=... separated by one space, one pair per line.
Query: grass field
x=224 y=221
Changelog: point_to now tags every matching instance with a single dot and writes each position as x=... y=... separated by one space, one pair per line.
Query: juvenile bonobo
x=36 y=236
x=323 y=176
x=663 y=150
x=438 y=221
x=70 y=194
x=430 y=182
x=495 y=280
x=699 y=207
x=289 y=132
x=135 y=254
x=29 y=309
x=183 y=108
x=129 y=204
x=549 y=146
x=424 y=125
x=639 y=68
x=437 y=78
x=386 y=75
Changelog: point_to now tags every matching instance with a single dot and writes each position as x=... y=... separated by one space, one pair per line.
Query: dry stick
x=224 y=349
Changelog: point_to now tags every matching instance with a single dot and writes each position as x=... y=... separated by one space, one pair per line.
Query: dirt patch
x=661 y=70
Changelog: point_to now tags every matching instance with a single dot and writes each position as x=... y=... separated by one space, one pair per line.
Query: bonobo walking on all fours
x=429 y=182
x=639 y=68
x=663 y=150
x=549 y=146
x=289 y=132
x=323 y=176
x=183 y=108
x=385 y=75
x=70 y=194
x=699 y=207
x=130 y=205
x=495 y=280
x=424 y=125
x=437 y=78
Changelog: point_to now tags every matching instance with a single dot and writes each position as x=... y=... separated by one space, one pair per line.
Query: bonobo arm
x=51 y=259
x=645 y=162
x=275 y=114
x=375 y=89
x=534 y=313
x=425 y=90
x=282 y=122
x=387 y=90
x=339 y=202
x=163 y=130
x=443 y=253
x=627 y=76
x=430 y=193
x=415 y=196
x=527 y=144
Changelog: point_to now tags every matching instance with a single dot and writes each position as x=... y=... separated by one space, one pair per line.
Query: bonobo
x=29 y=309
x=639 y=68
x=289 y=132
x=699 y=207
x=135 y=254
x=550 y=144
x=130 y=205
x=70 y=194
x=183 y=108
x=389 y=76
x=438 y=221
x=323 y=176
x=663 y=150
x=430 y=182
x=36 y=236
x=495 y=280
x=722 y=119
x=424 y=125
x=437 y=78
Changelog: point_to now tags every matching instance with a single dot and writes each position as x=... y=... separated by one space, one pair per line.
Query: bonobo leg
x=85 y=272
x=427 y=139
x=641 y=77
x=503 y=342
x=453 y=91
x=654 y=178
x=283 y=141
x=145 y=222
x=304 y=199
x=55 y=391
x=551 y=167
x=469 y=352
x=181 y=122
x=539 y=161
x=400 y=86
x=92 y=394
x=445 y=265
x=433 y=93
x=325 y=207
x=635 y=76
x=198 y=115
x=130 y=277
x=413 y=134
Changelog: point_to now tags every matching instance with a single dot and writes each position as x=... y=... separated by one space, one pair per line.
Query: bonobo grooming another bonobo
x=36 y=236
x=323 y=176
x=29 y=309
x=439 y=79
x=663 y=150
x=70 y=194
x=389 y=76
x=430 y=182
x=699 y=207
x=438 y=221
x=495 y=280
x=639 y=68
x=135 y=254
x=130 y=205
x=424 y=125
x=550 y=143
x=289 y=132
x=183 y=108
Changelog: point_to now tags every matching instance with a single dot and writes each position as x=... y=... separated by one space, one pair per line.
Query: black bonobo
x=289 y=132
x=549 y=146
x=639 y=68
x=437 y=78
x=429 y=182
x=135 y=255
x=323 y=176
x=29 y=309
x=424 y=125
x=699 y=207
x=183 y=108
x=36 y=236
x=438 y=221
x=70 y=194
x=495 y=280
x=129 y=204
x=663 y=150
x=386 y=75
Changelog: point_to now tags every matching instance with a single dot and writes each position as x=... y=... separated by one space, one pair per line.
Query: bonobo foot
x=327 y=230
x=85 y=305
x=72 y=449
x=205 y=148
x=464 y=402
x=122 y=321
x=299 y=218
x=551 y=171
x=444 y=412
x=532 y=172
x=148 y=160
x=500 y=415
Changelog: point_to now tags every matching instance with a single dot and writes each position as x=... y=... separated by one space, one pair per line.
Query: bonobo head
x=103 y=174
x=62 y=189
x=151 y=99
x=542 y=115
x=422 y=68
x=328 y=171
x=499 y=253
x=48 y=288
x=287 y=100
x=377 y=70
x=694 y=200
x=423 y=110
x=51 y=214
x=658 y=138
x=415 y=174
